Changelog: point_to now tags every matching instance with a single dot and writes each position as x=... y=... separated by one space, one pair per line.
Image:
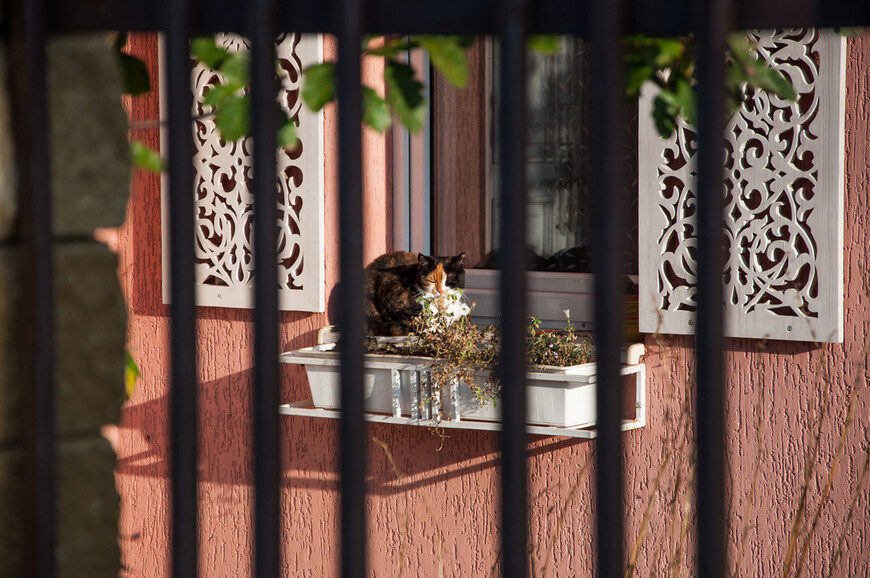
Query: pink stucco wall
x=435 y=512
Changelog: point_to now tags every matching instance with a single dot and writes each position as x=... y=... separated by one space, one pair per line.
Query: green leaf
x=404 y=93
x=134 y=75
x=849 y=31
x=131 y=373
x=235 y=68
x=400 y=79
x=669 y=51
x=376 y=113
x=465 y=41
x=447 y=56
x=318 y=85
x=233 y=118
x=684 y=100
x=412 y=119
x=544 y=43
x=394 y=47
x=665 y=114
x=733 y=100
x=749 y=68
x=145 y=157
x=120 y=41
x=635 y=77
x=206 y=51
x=773 y=81
x=217 y=94
x=287 y=135
x=740 y=49
x=736 y=75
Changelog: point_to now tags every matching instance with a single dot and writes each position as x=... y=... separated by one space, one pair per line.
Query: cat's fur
x=394 y=281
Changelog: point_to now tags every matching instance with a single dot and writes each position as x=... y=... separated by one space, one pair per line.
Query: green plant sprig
x=557 y=348
x=669 y=63
x=229 y=99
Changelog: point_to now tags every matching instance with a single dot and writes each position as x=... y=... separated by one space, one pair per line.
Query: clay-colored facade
x=435 y=512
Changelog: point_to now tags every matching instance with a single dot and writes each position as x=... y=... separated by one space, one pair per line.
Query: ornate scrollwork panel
x=783 y=191
x=224 y=204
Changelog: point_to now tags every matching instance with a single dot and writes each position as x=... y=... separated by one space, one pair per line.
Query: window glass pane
x=558 y=206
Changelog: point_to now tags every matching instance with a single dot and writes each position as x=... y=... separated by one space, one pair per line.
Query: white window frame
x=412 y=174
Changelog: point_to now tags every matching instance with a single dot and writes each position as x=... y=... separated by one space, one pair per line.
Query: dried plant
x=677 y=456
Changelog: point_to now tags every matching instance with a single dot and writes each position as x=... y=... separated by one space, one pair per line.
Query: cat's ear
x=424 y=261
x=458 y=260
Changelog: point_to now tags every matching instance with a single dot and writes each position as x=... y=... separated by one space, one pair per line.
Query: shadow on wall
x=403 y=458
x=400 y=457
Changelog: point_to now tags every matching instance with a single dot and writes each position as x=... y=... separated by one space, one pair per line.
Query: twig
x=841 y=444
x=675 y=508
x=659 y=548
x=687 y=511
x=561 y=519
x=664 y=459
x=848 y=521
x=407 y=525
x=635 y=551
x=671 y=447
x=439 y=537
x=812 y=456
x=756 y=468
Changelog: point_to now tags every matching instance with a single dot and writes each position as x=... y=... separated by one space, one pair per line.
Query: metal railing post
x=713 y=23
x=266 y=386
x=512 y=360
x=184 y=417
x=30 y=102
x=352 y=426
x=606 y=136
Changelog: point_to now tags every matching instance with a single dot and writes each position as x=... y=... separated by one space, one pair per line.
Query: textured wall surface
x=433 y=504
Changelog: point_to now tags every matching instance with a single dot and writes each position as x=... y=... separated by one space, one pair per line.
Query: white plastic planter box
x=399 y=385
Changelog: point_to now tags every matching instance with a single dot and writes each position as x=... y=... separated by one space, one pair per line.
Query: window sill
x=561 y=401
x=307 y=409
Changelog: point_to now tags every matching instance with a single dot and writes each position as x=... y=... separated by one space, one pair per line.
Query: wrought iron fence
x=604 y=23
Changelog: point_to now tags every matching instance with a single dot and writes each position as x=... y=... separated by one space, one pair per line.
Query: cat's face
x=437 y=275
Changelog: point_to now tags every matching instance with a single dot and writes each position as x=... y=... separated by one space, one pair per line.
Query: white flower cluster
x=444 y=308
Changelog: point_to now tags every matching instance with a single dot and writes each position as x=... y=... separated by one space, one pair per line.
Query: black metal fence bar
x=266 y=383
x=714 y=20
x=668 y=17
x=30 y=92
x=184 y=416
x=352 y=427
x=606 y=136
x=711 y=20
x=512 y=361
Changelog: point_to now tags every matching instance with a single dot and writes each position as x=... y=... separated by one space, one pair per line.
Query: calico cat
x=395 y=280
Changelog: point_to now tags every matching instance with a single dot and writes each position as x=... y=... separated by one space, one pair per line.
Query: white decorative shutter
x=224 y=209
x=783 y=204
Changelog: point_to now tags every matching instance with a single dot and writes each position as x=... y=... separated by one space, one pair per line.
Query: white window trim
x=549 y=295
x=412 y=175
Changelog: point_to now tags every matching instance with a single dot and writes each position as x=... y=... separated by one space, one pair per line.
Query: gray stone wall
x=90 y=187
